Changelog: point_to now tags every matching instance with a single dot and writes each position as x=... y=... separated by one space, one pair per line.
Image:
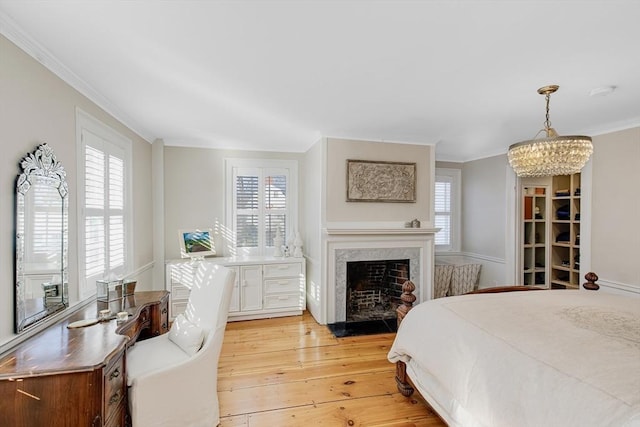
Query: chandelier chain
x=547 y=122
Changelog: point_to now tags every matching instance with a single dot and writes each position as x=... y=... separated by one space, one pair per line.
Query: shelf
x=565 y=276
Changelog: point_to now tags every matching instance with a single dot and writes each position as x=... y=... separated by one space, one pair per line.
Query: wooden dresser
x=77 y=377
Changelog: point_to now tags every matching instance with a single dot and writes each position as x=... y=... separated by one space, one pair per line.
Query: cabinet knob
x=114 y=374
x=115 y=398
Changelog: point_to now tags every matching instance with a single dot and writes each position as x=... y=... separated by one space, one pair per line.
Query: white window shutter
x=442 y=205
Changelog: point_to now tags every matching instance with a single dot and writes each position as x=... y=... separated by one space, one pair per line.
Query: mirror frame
x=41 y=167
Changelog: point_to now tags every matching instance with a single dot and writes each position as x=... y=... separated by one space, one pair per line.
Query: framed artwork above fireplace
x=378 y=181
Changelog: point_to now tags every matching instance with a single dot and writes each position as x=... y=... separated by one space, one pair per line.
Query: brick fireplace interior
x=373 y=294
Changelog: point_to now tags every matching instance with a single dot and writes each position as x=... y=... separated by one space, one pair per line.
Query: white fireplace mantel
x=381 y=231
x=345 y=242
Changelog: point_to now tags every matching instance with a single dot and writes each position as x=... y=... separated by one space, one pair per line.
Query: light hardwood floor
x=291 y=371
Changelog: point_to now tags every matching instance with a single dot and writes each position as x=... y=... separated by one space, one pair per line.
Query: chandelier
x=553 y=155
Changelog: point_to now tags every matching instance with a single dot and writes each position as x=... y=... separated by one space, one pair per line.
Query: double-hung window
x=447 y=209
x=261 y=203
x=104 y=203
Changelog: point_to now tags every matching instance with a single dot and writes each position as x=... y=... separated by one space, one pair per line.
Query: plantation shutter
x=104 y=209
x=443 y=210
x=260 y=207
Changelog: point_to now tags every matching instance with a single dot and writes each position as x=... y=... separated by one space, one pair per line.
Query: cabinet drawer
x=289 y=285
x=114 y=387
x=179 y=292
x=178 y=307
x=283 y=301
x=282 y=270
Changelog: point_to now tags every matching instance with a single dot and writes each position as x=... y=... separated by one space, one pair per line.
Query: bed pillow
x=186 y=335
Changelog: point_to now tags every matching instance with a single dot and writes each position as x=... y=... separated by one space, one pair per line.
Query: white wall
x=615 y=209
x=339 y=210
x=312 y=208
x=36 y=107
x=194 y=191
x=484 y=215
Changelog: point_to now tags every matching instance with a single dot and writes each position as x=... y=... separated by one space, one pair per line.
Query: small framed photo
x=196 y=243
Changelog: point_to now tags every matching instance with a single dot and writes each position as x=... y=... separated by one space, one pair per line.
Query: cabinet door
x=234 y=305
x=250 y=287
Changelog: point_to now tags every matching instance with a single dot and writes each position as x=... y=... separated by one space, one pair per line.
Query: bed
x=544 y=358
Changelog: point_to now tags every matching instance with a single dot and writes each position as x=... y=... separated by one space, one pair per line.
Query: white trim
x=138 y=271
x=13 y=32
x=512 y=226
x=586 y=197
x=379 y=231
x=610 y=285
x=474 y=256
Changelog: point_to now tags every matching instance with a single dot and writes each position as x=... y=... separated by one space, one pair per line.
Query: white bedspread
x=539 y=358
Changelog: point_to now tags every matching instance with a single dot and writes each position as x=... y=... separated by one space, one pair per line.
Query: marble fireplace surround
x=348 y=245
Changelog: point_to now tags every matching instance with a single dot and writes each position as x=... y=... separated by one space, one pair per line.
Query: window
x=261 y=202
x=103 y=203
x=447 y=209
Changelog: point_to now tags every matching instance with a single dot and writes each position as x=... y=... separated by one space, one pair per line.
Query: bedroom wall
x=194 y=180
x=484 y=212
x=615 y=228
x=312 y=208
x=36 y=106
x=615 y=235
x=339 y=210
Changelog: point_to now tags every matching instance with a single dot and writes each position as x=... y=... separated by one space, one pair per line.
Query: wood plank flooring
x=291 y=371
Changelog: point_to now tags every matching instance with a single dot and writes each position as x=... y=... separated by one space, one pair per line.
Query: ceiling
x=278 y=75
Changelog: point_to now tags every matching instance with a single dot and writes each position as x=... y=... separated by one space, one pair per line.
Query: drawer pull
x=114 y=374
x=115 y=398
x=164 y=310
x=283 y=298
x=283 y=283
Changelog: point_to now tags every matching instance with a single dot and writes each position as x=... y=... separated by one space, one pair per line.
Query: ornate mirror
x=41 y=239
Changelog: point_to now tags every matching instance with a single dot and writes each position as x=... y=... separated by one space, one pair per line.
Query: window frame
x=262 y=166
x=113 y=141
x=454 y=176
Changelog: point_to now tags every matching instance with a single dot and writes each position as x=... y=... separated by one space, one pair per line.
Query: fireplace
x=374 y=289
x=376 y=249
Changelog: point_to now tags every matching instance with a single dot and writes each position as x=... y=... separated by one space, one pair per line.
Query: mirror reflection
x=41 y=239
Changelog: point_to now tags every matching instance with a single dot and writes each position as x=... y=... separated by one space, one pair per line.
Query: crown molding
x=31 y=47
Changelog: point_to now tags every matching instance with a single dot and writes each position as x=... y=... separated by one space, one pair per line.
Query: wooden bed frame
x=405 y=387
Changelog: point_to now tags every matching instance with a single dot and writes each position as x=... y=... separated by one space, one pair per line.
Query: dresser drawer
x=292 y=269
x=114 y=383
x=283 y=301
x=282 y=285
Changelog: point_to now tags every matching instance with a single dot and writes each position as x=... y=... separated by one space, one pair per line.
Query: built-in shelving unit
x=534 y=251
x=565 y=232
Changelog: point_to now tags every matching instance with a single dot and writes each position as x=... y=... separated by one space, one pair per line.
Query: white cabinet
x=250 y=287
x=265 y=286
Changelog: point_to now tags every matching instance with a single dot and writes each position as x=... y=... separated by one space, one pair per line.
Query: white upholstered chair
x=172 y=380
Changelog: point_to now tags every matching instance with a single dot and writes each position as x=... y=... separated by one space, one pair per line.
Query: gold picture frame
x=380 y=181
